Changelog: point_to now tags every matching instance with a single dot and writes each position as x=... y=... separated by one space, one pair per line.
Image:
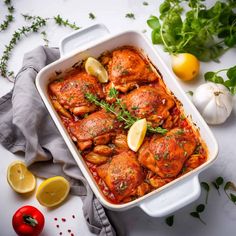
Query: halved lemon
x=136 y=134
x=20 y=178
x=95 y=68
x=53 y=191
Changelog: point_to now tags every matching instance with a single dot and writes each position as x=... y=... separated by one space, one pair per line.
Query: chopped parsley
x=91 y=16
x=130 y=15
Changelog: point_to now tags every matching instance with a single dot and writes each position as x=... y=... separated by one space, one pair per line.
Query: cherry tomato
x=28 y=220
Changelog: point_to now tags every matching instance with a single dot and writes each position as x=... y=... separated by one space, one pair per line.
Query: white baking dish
x=92 y=41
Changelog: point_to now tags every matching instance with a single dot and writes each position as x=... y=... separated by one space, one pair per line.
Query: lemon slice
x=95 y=68
x=53 y=191
x=20 y=178
x=136 y=134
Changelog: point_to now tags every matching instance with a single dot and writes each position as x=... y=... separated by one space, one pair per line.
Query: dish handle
x=80 y=38
x=172 y=199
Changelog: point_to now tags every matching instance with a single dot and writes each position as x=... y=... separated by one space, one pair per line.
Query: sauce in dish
x=98 y=115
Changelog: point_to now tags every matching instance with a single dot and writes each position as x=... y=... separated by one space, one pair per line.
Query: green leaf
x=164 y=7
x=153 y=22
x=233 y=197
x=195 y=214
x=200 y=208
x=205 y=186
x=233 y=90
x=156 y=37
x=219 y=181
x=231 y=73
x=170 y=220
x=230 y=41
x=209 y=75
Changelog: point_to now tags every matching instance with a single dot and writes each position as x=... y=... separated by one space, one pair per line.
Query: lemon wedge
x=53 y=191
x=95 y=68
x=136 y=134
x=20 y=178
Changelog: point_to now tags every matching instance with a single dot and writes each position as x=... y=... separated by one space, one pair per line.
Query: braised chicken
x=123 y=174
x=100 y=124
x=166 y=155
x=70 y=92
x=97 y=128
x=128 y=69
x=152 y=103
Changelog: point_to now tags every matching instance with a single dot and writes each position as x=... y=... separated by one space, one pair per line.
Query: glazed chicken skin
x=70 y=92
x=128 y=69
x=97 y=128
x=152 y=103
x=123 y=174
x=166 y=155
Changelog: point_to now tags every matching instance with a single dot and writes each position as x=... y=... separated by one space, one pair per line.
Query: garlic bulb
x=214 y=102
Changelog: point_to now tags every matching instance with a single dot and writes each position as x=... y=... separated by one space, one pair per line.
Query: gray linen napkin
x=26 y=126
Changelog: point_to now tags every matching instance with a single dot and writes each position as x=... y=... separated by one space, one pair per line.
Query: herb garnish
x=37 y=23
x=170 y=220
x=119 y=110
x=60 y=21
x=91 y=16
x=230 y=186
x=207 y=189
x=9 y=17
x=145 y=3
x=217 y=183
x=130 y=15
x=204 y=32
x=216 y=78
x=196 y=214
x=18 y=34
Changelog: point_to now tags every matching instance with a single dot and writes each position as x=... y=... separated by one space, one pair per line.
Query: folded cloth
x=25 y=126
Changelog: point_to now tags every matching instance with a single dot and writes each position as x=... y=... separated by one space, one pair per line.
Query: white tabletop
x=220 y=213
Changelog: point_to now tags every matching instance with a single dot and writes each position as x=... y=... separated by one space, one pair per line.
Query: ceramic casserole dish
x=93 y=41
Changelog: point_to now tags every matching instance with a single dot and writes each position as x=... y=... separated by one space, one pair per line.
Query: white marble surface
x=220 y=213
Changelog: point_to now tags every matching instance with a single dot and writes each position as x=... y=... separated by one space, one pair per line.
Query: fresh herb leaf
x=207 y=189
x=219 y=181
x=65 y=22
x=91 y=16
x=130 y=15
x=170 y=220
x=190 y=93
x=230 y=186
x=200 y=208
x=37 y=24
x=233 y=197
x=9 y=17
x=197 y=215
x=205 y=32
x=230 y=83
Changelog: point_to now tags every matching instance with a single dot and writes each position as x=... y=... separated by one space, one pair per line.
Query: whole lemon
x=186 y=66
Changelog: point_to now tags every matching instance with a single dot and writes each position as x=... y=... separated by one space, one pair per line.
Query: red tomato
x=28 y=220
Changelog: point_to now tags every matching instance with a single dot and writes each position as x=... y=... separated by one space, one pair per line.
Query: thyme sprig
x=65 y=22
x=119 y=110
x=37 y=24
x=9 y=17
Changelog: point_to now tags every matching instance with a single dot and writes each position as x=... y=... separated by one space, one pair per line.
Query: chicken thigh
x=152 y=103
x=127 y=69
x=70 y=92
x=166 y=155
x=97 y=128
x=122 y=175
